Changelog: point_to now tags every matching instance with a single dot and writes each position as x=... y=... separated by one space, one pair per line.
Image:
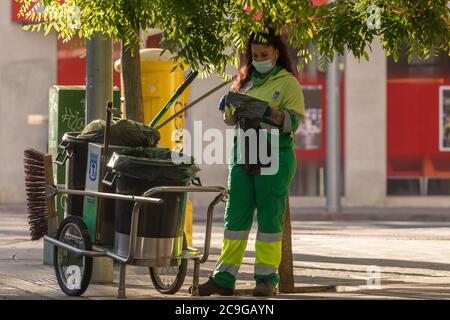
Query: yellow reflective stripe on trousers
x=232 y=251
x=269 y=237
x=264 y=270
x=236 y=235
x=223 y=267
x=267 y=254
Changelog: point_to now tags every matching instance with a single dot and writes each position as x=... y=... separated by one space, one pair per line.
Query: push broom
x=41 y=208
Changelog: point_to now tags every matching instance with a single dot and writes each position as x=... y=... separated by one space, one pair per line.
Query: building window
x=418 y=157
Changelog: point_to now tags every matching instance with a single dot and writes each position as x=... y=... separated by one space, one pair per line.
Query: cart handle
x=52 y=190
x=154 y=190
x=88 y=253
x=209 y=221
x=109 y=178
x=65 y=153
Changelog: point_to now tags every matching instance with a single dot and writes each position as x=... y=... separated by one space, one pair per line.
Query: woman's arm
x=293 y=107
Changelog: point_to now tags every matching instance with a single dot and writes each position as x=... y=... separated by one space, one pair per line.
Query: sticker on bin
x=93 y=165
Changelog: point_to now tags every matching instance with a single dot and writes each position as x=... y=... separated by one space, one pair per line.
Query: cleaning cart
x=112 y=213
x=166 y=258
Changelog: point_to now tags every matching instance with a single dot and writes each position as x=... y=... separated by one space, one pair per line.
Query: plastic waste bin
x=160 y=228
x=74 y=155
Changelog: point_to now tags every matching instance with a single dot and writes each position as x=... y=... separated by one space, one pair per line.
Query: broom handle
x=109 y=107
x=52 y=221
x=106 y=138
x=174 y=97
x=193 y=103
x=103 y=161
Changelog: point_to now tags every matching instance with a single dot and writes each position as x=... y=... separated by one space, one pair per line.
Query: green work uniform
x=265 y=192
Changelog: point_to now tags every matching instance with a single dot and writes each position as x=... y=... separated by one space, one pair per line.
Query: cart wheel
x=73 y=271
x=168 y=280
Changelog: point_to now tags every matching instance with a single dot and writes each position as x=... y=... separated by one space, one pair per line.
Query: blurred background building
x=395 y=121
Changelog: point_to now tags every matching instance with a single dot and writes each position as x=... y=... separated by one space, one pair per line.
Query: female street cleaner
x=266 y=74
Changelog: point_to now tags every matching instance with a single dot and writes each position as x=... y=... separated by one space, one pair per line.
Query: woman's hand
x=230 y=121
x=276 y=117
x=229 y=116
x=228 y=111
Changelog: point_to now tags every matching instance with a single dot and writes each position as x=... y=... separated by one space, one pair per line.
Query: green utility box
x=67 y=114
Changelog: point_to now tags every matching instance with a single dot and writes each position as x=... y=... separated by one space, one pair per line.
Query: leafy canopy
x=210 y=34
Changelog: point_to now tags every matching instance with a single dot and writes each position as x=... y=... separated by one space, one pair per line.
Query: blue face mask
x=263 y=66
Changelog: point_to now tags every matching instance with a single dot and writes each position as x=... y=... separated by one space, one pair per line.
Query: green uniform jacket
x=283 y=93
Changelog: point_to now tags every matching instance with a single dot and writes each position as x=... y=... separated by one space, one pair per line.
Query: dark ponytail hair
x=247 y=67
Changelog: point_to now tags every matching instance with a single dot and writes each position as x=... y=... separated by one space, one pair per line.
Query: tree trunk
x=131 y=73
x=286 y=268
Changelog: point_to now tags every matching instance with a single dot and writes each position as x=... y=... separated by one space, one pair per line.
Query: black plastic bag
x=249 y=111
x=154 y=165
x=246 y=106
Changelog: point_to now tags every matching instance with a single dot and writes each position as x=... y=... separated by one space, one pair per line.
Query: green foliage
x=210 y=34
x=118 y=19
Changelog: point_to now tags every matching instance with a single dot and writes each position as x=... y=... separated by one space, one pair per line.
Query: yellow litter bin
x=158 y=85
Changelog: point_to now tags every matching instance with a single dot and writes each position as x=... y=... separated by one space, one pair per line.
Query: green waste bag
x=122 y=133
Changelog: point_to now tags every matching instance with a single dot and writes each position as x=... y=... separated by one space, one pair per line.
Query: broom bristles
x=35 y=191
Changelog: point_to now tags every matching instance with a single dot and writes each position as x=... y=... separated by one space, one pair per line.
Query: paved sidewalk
x=331 y=260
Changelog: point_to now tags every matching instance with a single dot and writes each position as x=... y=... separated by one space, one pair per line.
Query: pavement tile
x=331 y=261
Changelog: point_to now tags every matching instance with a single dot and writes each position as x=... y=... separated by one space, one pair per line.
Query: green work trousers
x=266 y=193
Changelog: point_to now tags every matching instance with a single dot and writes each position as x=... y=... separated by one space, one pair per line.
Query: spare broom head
x=41 y=209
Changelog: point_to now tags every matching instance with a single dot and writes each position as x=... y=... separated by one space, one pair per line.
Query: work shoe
x=210 y=287
x=264 y=288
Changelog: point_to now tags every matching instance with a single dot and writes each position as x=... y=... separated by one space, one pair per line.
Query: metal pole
x=196 y=277
x=121 y=290
x=99 y=76
x=333 y=153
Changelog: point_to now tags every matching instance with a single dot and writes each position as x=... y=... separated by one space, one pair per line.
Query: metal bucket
x=160 y=227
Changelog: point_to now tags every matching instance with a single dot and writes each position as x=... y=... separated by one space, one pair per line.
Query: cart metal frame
x=100 y=251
